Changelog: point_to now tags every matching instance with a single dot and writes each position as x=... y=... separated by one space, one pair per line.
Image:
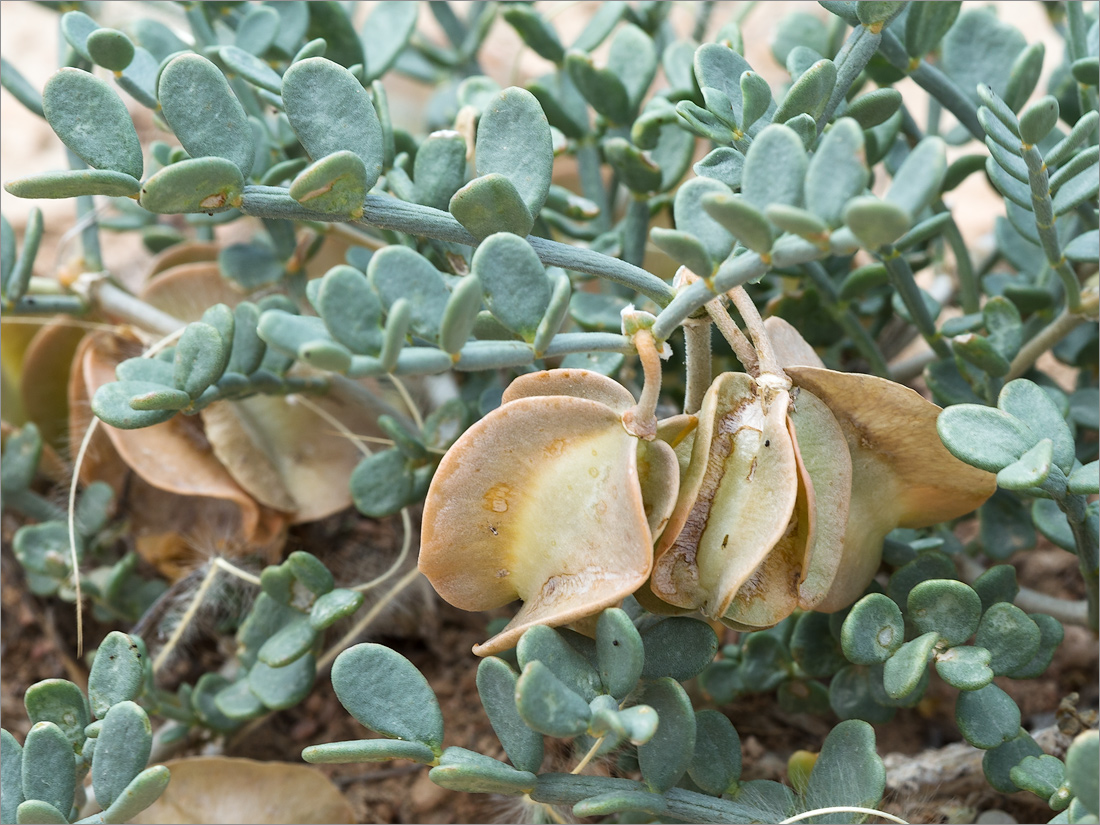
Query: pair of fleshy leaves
x=548 y=499
x=243 y=470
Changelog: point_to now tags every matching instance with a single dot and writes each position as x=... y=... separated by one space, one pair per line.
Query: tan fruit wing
x=791 y=349
x=238 y=432
x=753 y=504
x=739 y=494
x=895 y=427
x=183 y=253
x=659 y=478
x=188 y=290
x=678 y=431
x=540 y=501
x=286 y=454
x=234 y=790
x=576 y=383
x=870 y=517
x=44 y=384
x=771 y=593
x=826 y=465
x=675 y=574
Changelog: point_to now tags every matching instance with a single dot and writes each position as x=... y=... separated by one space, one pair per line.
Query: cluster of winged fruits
x=774 y=495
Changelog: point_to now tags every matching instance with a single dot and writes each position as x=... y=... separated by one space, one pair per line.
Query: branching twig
x=1047 y=338
x=737 y=340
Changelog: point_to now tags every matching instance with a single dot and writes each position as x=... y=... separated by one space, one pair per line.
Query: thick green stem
x=934 y=111
x=636 y=231
x=592 y=185
x=935 y=82
x=1076 y=509
x=909 y=126
x=766 y=359
x=1050 y=335
x=85 y=207
x=677 y=803
x=902 y=279
x=969 y=290
x=847 y=319
x=735 y=271
x=49 y=305
x=738 y=341
x=387 y=212
x=697 y=362
x=1039 y=181
x=852 y=59
x=1067 y=612
x=487 y=355
x=120 y=305
x=85 y=218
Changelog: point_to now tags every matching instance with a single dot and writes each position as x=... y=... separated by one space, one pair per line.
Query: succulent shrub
x=550 y=262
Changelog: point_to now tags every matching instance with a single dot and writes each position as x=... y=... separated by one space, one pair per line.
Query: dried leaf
x=191 y=252
x=174 y=456
x=286 y=455
x=825 y=467
x=186 y=291
x=229 y=790
x=283 y=454
x=44 y=384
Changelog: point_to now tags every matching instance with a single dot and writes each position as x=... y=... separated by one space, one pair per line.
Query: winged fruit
x=795 y=477
x=542 y=500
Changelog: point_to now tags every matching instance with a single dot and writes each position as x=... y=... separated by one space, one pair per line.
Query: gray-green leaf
x=330 y=111
x=775 y=167
x=517 y=290
x=385 y=692
x=194 y=185
x=121 y=751
x=117 y=673
x=666 y=757
x=716 y=765
x=849 y=772
x=202 y=110
x=987 y=717
x=496 y=685
x=49 y=769
x=91 y=119
x=513 y=139
x=548 y=705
